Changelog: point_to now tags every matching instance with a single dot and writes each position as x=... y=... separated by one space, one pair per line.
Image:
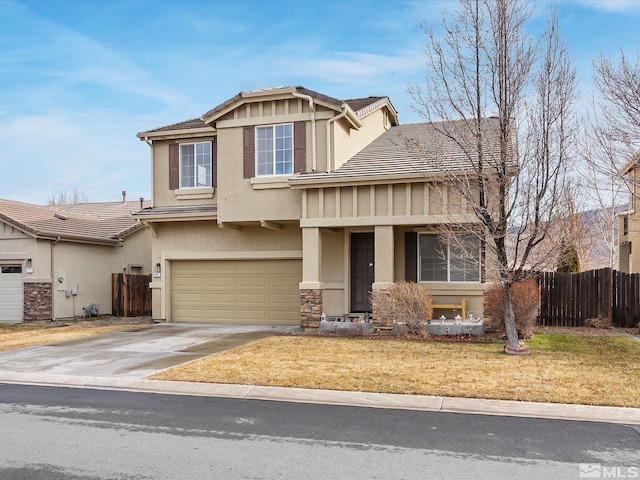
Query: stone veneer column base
x=379 y=321
x=38 y=301
x=310 y=307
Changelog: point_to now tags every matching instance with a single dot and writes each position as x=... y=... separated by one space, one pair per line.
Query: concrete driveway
x=133 y=353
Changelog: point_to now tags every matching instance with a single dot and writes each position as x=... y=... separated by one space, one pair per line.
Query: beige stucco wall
x=348 y=141
x=162 y=196
x=204 y=240
x=89 y=267
x=239 y=199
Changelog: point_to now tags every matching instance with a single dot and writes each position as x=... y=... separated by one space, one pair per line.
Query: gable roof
x=360 y=106
x=410 y=151
x=106 y=222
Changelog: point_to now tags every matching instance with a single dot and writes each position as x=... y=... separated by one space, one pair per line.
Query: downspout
x=53 y=284
x=313 y=126
x=146 y=140
x=331 y=166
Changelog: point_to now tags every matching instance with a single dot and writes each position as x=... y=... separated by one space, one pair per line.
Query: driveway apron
x=133 y=353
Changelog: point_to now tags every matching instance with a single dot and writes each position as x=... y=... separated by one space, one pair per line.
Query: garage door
x=236 y=291
x=11 y=294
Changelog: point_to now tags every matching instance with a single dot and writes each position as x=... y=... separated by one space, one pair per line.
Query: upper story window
x=274 y=150
x=195 y=164
x=454 y=259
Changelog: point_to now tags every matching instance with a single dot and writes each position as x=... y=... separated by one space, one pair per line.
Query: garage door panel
x=251 y=282
x=236 y=291
x=219 y=298
x=11 y=298
x=251 y=299
x=219 y=283
x=282 y=299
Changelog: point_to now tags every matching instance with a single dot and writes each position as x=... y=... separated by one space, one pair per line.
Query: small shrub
x=403 y=302
x=526 y=300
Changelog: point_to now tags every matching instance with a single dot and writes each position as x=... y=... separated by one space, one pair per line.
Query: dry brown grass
x=13 y=337
x=561 y=369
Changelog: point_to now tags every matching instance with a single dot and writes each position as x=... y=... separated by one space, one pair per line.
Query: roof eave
x=631 y=164
x=352 y=117
x=26 y=229
x=323 y=182
x=300 y=182
x=174 y=216
x=174 y=134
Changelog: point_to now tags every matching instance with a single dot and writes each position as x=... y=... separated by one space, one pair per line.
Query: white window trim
x=448 y=280
x=183 y=188
x=255 y=149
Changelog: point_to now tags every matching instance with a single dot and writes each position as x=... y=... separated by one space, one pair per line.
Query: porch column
x=384 y=256
x=310 y=287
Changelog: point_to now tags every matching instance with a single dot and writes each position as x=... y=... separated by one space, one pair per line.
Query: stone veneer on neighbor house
x=38 y=301
x=310 y=307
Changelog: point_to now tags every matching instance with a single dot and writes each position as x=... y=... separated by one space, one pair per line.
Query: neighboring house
x=629 y=220
x=282 y=204
x=55 y=260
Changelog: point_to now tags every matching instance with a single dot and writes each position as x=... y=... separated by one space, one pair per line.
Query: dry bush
x=403 y=302
x=526 y=301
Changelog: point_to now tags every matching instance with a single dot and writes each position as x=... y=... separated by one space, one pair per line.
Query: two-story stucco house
x=281 y=204
x=55 y=260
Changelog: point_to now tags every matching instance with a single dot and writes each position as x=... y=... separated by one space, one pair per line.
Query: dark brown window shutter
x=214 y=164
x=411 y=256
x=249 y=154
x=174 y=166
x=299 y=147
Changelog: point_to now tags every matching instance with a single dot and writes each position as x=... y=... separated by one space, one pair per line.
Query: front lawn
x=561 y=368
x=22 y=335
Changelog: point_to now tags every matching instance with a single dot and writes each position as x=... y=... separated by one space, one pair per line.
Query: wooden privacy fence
x=131 y=295
x=568 y=299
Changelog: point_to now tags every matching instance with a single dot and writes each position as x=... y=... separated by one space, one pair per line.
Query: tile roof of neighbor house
x=414 y=149
x=106 y=222
x=361 y=106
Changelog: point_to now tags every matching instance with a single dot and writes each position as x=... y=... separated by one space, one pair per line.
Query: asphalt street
x=85 y=434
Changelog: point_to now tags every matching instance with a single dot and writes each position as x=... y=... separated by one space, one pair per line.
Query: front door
x=361 y=271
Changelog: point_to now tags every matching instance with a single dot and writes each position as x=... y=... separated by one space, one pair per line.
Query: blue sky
x=79 y=79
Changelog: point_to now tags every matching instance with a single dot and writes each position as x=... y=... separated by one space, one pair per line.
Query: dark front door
x=361 y=271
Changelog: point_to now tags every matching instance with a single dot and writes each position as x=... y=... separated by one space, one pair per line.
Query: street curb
x=590 y=413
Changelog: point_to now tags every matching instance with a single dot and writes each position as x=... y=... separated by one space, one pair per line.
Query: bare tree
x=64 y=198
x=613 y=140
x=506 y=100
x=617 y=121
x=604 y=188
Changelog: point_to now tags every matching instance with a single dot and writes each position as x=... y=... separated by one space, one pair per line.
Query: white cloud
x=615 y=6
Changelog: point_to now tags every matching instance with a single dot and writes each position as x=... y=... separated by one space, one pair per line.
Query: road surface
x=57 y=433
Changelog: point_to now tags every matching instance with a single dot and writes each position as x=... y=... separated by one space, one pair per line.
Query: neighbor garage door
x=236 y=291
x=11 y=294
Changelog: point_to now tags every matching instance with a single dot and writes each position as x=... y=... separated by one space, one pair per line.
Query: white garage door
x=11 y=294
x=236 y=291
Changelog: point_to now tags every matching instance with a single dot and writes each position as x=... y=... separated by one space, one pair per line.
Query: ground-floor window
x=448 y=258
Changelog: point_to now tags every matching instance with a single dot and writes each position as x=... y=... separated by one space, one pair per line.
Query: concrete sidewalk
x=589 y=413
